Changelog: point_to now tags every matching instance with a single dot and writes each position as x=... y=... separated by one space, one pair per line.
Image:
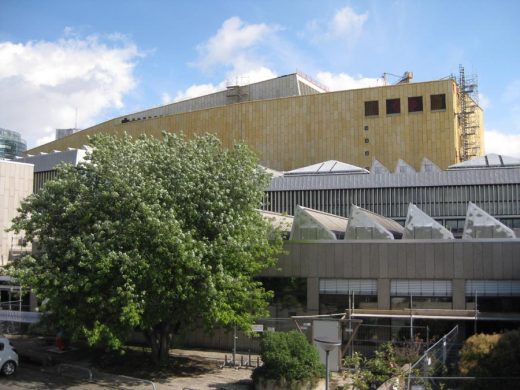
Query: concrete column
x=313 y=296
x=383 y=294
x=458 y=294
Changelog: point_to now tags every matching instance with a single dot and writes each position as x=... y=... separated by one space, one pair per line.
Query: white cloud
x=44 y=83
x=342 y=81
x=345 y=24
x=166 y=98
x=231 y=44
x=346 y=21
x=502 y=143
x=234 y=47
x=197 y=90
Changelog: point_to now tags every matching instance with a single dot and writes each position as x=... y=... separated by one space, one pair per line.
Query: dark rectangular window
x=393 y=106
x=438 y=102
x=371 y=108
x=415 y=104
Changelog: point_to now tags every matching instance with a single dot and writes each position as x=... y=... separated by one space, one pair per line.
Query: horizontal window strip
x=493 y=288
x=346 y=286
x=422 y=288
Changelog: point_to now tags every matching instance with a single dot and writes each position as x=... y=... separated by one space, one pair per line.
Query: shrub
x=367 y=373
x=288 y=357
x=475 y=353
x=491 y=355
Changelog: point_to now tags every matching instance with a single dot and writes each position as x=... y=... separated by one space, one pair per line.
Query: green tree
x=152 y=235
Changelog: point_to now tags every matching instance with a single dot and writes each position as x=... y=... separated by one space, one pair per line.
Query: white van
x=8 y=357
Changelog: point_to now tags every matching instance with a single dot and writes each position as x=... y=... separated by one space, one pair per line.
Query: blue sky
x=102 y=59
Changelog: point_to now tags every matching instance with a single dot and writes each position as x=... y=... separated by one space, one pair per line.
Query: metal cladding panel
x=283 y=86
x=393 y=180
x=423 y=288
x=493 y=288
x=48 y=161
x=345 y=286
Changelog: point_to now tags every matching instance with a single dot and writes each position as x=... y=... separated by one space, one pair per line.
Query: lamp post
x=327 y=345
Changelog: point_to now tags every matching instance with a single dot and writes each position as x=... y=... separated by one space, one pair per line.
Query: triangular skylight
x=327 y=167
x=420 y=225
x=403 y=168
x=312 y=224
x=378 y=168
x=480 y=224
x=428 y=166
x=488 y=161
x=366 y=225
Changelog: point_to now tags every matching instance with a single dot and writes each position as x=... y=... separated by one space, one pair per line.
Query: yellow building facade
x=409 y=121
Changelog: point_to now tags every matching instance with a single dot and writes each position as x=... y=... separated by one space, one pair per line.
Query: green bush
x=475 y=354
x=367 y=373
x=288 y=357
x=491 y=355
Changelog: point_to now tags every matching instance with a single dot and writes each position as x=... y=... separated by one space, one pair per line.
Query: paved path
x=36 y=378
x=32 y=377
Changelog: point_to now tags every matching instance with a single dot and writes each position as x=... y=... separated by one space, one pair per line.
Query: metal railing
x=433 y=362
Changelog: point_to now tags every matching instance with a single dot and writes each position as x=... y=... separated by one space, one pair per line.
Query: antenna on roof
x=404 y=79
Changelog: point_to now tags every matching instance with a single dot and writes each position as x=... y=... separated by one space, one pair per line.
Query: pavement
x=40 y=370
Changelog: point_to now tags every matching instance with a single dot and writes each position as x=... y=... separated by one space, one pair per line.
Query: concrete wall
x=455 y=260
x=293 y=132
x=16 y=183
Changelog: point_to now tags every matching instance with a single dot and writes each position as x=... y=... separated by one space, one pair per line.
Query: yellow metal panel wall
x=296 y=131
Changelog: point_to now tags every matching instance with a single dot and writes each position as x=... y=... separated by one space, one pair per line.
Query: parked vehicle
x=8 y=357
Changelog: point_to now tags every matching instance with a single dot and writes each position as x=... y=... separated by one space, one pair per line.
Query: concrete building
x=16 y=183
x=292 y=122
x=389 y=275
x=437 y=278
x=11 y=144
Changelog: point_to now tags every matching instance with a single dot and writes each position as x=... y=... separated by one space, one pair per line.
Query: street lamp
x=327 y=345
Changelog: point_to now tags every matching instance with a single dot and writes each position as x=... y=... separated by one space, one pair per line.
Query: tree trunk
x=159 y=339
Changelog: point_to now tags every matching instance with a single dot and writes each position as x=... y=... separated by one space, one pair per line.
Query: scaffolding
x=238 y=91
x=469 y=121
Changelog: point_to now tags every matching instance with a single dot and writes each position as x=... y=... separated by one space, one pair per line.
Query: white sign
x=257 y=328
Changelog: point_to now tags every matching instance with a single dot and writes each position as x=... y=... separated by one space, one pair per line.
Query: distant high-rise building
x=62 y=133
x=11 y=144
